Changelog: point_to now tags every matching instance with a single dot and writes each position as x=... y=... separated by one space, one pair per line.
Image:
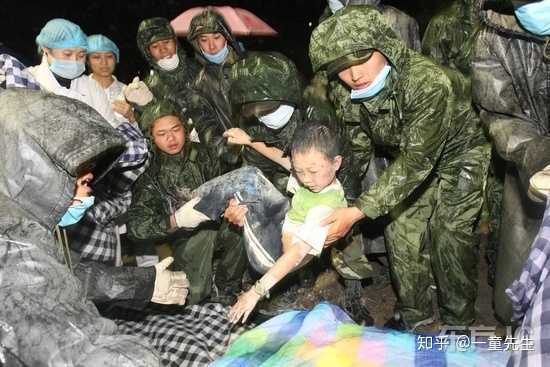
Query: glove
x=171 y=287
x=539 y=185
x=187 y=217
x=137 y=92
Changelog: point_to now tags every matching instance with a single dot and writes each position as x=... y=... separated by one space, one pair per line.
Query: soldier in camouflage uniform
x=212 y=83
x=158 y=44
x=261 y=83
x=336 y=97
x=156 y=196
x=432 y=191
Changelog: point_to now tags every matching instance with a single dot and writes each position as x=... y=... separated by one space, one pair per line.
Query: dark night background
x=21 y=22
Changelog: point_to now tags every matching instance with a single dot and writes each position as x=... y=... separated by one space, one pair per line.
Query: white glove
x=137 y=92
x=539 y=185
x=187 y=217
x=171 y=287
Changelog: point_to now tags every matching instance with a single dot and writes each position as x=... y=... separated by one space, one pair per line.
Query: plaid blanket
x=326 y=336
x=195 y=337
x=530 y=296
x=13 y=74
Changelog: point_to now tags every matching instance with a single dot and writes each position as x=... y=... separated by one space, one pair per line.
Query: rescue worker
x=179 y=166
x=419 y=113
x=510 y=66
x=216 y=50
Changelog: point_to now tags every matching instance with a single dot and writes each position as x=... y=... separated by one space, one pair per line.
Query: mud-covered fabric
x=211 y=106
x=45 y=313
x=424 y=119
x=450 y=35
x=510 y=80
x=166 y=185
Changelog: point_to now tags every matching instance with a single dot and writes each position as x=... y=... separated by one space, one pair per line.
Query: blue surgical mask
x=68 y=69
x=278 y=118
x=219 y=57
x=374 y=88
x=335 y=5
x=535 y=17
x=76 y=211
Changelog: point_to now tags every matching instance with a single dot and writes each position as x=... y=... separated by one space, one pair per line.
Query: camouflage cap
x=153 y=30
x=265 y=77
x=154 y=111
x=352 y=30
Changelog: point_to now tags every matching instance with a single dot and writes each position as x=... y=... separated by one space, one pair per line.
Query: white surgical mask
x=278 y=118
x=335 y=5
x=169 y=63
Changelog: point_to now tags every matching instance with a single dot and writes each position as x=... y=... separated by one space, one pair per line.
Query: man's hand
x=340 y=221
x=237 y=136
x=235 y=213
x=171 y=287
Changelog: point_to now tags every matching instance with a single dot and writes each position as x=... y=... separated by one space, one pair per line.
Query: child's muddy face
x=314 y=169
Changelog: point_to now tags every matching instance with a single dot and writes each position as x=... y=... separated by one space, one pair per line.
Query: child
x=315 y=158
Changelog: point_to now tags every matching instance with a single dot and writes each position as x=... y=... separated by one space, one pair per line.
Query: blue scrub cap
x=100 y=43
x=61 y=33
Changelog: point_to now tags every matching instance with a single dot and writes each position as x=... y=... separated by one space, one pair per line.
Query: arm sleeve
x=427 y=118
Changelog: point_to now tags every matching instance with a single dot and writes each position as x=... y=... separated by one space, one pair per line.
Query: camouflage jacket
x=164 y=186
x=450 y=35
x=423 y=117
x=166 y=85
x=511 y=69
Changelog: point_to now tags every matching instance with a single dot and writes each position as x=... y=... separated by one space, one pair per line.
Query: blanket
x=326 y=336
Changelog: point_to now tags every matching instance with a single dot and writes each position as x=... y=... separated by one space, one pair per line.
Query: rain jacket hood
x=49 y=150
x=330 y=40
x=209 y=21
x=265 y=77
x=156 y=29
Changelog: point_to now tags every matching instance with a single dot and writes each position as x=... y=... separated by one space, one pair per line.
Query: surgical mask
x=218 y=57
x=278 y=118
x=374 y=88
x=68 y=69
x=169 y=63
x=335 y=5
x=76 y=211
x=535 y=17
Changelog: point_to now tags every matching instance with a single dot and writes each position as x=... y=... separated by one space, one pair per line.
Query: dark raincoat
x=511 y=87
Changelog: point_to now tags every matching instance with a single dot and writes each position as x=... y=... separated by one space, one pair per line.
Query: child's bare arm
x=291 y=260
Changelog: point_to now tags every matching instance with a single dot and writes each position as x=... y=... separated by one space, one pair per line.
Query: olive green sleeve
x=426 y=116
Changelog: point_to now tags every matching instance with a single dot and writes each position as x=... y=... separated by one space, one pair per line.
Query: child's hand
x=244 y=306
x=237 y=136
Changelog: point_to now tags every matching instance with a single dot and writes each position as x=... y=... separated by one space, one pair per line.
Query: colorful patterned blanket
x=326 y=336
